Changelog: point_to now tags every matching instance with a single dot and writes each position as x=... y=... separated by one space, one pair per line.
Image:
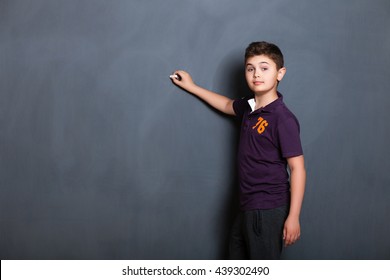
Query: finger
x=297 y=235
x=286 y=237
x=175 y=76
x=180 y=72
x=292 y=239
x=287 y=240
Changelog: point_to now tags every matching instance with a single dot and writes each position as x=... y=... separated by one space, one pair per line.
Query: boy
x=270 y=203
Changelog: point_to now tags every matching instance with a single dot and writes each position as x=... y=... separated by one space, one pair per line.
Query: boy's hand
x=291 y=231
x=185 y=80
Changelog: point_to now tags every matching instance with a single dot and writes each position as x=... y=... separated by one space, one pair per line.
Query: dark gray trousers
x=258 y=234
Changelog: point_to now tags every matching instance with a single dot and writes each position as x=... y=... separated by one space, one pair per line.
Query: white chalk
x=175 y=76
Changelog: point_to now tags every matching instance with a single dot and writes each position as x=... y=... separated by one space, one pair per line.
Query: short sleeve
x=289 y=138
x=240 y=106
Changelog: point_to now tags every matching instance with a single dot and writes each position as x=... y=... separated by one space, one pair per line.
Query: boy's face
x=262 y=75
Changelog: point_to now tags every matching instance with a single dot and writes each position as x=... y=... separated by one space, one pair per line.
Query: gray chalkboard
x=102 y=157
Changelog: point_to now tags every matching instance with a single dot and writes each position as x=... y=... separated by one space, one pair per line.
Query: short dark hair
x=265 y=48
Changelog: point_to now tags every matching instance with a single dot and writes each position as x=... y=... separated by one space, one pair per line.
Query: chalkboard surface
x=102 y=157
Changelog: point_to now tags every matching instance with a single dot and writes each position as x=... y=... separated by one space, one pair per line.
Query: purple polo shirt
x=268 y=136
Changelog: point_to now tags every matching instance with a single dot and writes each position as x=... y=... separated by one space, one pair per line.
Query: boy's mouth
x=257 y=83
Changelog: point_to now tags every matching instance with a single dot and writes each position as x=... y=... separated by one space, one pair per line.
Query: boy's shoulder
x=285 y=119
x=282 y=107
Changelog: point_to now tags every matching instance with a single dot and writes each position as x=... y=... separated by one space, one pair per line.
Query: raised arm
x=219 y=102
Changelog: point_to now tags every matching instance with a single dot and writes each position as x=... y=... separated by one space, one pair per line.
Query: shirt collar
x=270 y=107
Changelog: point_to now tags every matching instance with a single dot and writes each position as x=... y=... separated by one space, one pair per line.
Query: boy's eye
x=264 y=69
x=249 y=69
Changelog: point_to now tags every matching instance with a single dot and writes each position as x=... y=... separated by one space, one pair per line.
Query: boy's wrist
x=192 y=88
x=293 y=215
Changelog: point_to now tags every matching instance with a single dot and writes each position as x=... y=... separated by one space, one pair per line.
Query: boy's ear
x=281 y=73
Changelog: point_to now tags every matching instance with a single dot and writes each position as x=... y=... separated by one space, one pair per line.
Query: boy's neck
x=263 y=99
